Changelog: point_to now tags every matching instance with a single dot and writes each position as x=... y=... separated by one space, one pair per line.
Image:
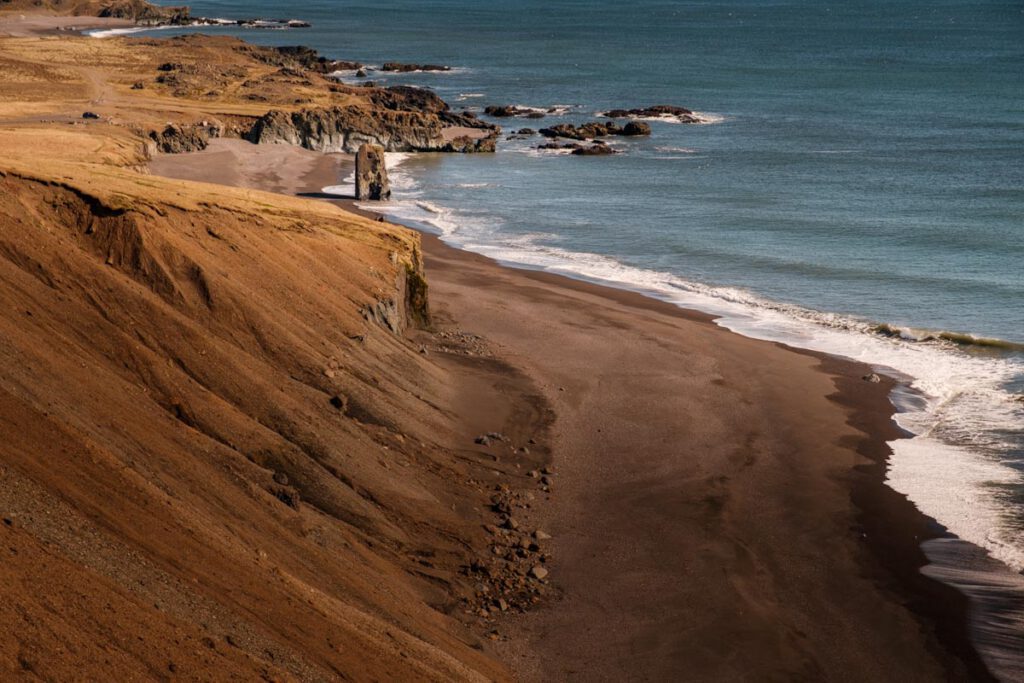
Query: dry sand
x=276 y=168
x=717 y=505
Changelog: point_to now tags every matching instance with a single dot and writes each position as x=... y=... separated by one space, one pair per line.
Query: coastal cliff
x=218 y=434
x=344 y=129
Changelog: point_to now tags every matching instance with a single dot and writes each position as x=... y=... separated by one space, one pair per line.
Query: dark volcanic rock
x=596 y=149
x=586 y=131
x=344 y=129
x=682 y=114
x=634 y=128
x=300 y=56
x=509 y=110
x=398 y=67
x=371 y=174
x=177 y=138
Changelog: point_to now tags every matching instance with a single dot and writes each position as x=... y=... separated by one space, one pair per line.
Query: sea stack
x=371 y=173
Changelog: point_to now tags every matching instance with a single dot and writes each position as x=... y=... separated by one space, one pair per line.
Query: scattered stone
x=90 y=115
x=339 y=402
x=538 y=572
x=541 y=535
x=534 y=474
x=873 y=378
x=482 y=440
x=361 y=73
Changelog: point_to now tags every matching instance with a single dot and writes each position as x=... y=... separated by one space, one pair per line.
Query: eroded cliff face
x=215 y=438
x=344 y=129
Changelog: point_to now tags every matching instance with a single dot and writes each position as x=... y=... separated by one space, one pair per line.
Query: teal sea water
x=863 y=164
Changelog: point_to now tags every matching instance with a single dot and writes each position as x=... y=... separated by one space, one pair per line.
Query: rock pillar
x=371 y=173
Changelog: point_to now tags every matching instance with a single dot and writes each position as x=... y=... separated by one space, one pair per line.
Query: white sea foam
x=705 y=118
x=340 y=190
x=708 y=118
x=112 y=32
x=550 y=110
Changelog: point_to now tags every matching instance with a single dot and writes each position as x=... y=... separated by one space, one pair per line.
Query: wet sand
x=717 y=506
x=20 y=25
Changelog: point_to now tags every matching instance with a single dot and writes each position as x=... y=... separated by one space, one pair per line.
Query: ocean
x=858 y=189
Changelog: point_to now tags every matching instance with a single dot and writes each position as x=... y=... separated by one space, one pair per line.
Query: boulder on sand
x=371 y=173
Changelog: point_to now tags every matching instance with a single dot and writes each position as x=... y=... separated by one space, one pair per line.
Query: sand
x=21 y=25
x=717 y=506
x=276 y=168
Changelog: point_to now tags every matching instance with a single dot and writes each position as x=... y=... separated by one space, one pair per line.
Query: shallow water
x=865 y=166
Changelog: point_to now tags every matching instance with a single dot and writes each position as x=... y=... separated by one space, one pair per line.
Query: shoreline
x=896 y=557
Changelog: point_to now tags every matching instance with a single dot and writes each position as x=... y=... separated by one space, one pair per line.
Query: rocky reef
x=398 y=67
x=658 y=111
x=596 y=129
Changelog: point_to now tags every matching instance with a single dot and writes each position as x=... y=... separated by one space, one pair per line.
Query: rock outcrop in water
x=371 y=174
x=595 y=129
x=399 y=67
x=658 y=111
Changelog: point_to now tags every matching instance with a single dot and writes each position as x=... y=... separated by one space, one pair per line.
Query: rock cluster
x=345 y=128
x=509 y=110
x=514 y=576
x=596 y=149
x=371 y=174
x=399 y=119
x=595 y=129
x=681 y=114
x=398 y=67
x=177 y=138
x=299 y=56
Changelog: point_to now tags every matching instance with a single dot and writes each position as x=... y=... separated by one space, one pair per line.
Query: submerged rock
x=371 y=174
